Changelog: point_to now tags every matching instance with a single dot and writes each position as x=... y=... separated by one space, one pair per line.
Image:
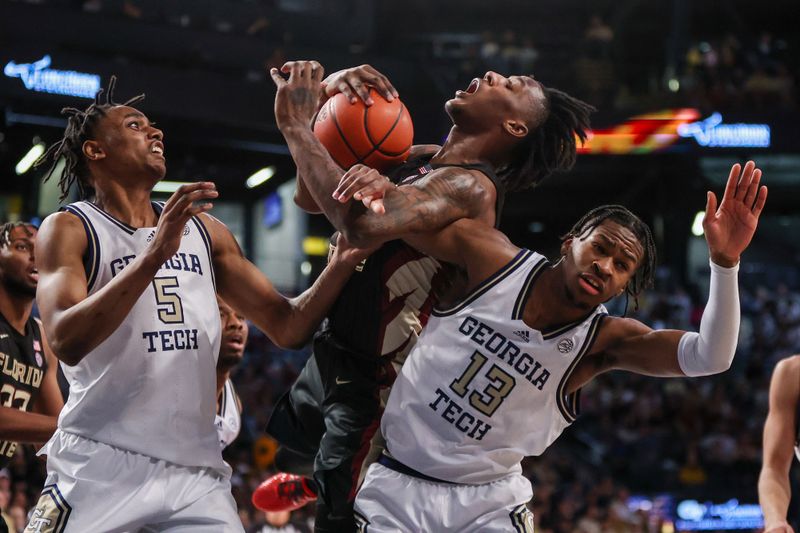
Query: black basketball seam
x=404 y=150
x=341 y=134
x=376 y=146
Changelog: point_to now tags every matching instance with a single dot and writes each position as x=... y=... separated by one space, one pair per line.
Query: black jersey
x=23 y=366
x=388 y=300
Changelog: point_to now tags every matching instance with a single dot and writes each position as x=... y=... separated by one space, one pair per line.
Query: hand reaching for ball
x=297 y=99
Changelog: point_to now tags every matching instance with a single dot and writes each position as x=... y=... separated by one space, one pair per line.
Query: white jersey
x=481 y=389
x=150 y=387
x=229 y=415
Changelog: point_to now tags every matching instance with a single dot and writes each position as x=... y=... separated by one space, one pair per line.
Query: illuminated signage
x=695 y=516
x=38 y=77
x=642 y=134
x=713 y=133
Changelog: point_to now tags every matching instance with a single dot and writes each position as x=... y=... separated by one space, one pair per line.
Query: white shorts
x=94 y=487
x=390 y=502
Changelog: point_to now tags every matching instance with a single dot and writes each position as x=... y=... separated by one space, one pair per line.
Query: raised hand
x=730 y=227
x=297 y=100
x=366 y=185
x=355 y=82
x=176 y=214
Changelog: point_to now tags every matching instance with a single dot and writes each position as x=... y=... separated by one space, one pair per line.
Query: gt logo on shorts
x=51 y=512
x=522 y=519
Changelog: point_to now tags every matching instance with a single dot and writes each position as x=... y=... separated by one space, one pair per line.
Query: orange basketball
x=378 y=136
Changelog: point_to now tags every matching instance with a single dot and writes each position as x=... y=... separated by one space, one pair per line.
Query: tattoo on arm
x=445 y=196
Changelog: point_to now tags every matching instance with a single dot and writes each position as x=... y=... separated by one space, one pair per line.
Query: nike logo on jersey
x=3 y=335
x=340 y=381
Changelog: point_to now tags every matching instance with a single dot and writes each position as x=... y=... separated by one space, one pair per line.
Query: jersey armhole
x=91 y=258
x=569 y=403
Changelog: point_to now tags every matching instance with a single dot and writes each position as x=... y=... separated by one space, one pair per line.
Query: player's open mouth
x=235 y=342
x=34 y=275
x=473 y=86
x=590 y=284
x=157 y=148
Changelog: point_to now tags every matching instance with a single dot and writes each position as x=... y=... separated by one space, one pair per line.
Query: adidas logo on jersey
x=524 y=335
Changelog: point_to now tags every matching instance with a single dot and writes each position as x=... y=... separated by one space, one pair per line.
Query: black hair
x=80 y=128
x=551 y=146
x=8 y=227
x=643 y=276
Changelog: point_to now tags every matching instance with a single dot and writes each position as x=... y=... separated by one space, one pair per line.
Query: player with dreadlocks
x=497 y=376
x=127 y=294
x=508 y=133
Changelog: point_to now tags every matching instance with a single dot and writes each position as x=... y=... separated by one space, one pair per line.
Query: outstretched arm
x=289 y=322
x=774 y=491
x=627 y=344
x=436 y=200
x=76 y=322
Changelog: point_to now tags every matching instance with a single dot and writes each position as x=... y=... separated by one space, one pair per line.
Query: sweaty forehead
x=621 y=236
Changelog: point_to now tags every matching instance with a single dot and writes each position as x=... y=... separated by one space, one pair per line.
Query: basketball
x=379 y=136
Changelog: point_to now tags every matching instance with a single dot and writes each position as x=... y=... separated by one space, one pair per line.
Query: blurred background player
x=497 y=377
x=507 y=134
x=128 y=292
x=231 y=351
x=781 y=443
x=30 y=399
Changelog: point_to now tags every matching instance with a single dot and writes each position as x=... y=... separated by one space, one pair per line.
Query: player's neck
x=129 y=205
x=460 y=149
x=16 y=308
x=557 y=309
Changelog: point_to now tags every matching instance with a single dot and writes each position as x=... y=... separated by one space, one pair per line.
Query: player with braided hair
x=30 y=399
x=497 y=377
x=80 y=128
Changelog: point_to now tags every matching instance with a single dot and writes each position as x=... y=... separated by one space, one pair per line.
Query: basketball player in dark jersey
x=508 y=134
x=27 y=366
x=781 y=442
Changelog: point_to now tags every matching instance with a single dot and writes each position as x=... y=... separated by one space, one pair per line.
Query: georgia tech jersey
x=229 y=415
x=150 y=387
x=481 y=389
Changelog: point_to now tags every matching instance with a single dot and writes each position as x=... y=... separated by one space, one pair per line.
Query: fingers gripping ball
x=378 y=136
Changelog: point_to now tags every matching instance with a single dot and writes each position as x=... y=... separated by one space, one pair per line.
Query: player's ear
x=566 y=244
x=93 y=151
x=515 y=128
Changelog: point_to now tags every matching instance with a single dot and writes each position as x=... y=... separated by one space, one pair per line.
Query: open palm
x=730 y=228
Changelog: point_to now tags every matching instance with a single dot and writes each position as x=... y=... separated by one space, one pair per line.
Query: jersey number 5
x=170 y=307
x=501 y=383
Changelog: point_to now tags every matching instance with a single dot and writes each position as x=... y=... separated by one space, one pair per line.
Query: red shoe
x=283 y=492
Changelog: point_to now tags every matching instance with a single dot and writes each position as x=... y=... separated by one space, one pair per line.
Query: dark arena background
x=683 y=88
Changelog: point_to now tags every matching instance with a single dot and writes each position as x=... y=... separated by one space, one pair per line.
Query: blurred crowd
x=696 y=438
x=724 y=73
x=609 y=64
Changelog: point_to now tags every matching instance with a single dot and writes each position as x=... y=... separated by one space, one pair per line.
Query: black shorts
x=331 y=413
